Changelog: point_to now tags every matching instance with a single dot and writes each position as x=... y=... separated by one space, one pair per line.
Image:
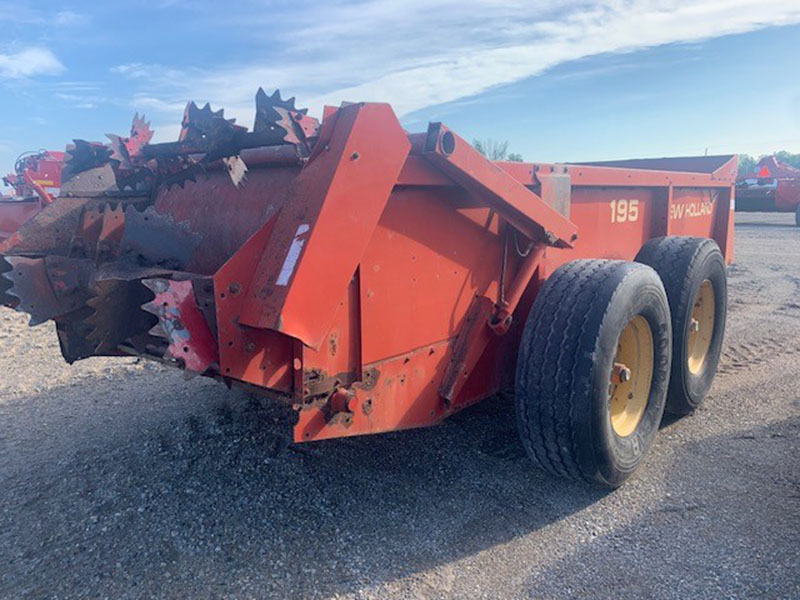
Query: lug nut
x=620 y=373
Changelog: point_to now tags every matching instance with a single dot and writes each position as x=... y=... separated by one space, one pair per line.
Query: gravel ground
x=120 y=479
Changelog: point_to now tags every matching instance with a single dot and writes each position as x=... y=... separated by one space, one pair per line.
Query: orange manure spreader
x=772 y=186
x=34 y=182
x=368 y=279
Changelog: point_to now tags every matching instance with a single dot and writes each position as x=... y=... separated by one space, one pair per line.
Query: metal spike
x=32 y=289
x=83 y=156
x=118 y=149
x=72 y=331
x=156 y=330
x=156 y=286
x=279 y=121
x=5 y=285
x=118 y=314
x=124 y=149
x=190 y=339
x=111 y=230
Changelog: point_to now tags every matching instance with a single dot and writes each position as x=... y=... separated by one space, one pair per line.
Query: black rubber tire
x=797 y=216
x=564 y=367
x=683 y=263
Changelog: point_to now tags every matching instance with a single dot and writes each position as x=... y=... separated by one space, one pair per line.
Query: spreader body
x=366 y=278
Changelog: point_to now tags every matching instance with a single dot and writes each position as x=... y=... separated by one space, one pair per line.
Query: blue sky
x=569 y=80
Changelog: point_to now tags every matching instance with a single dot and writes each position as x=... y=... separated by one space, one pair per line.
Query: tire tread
x=549 y=365
x=672 y=258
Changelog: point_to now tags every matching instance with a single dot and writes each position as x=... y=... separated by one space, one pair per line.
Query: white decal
x=292 y=256
x=624 y=210
x=690 y=209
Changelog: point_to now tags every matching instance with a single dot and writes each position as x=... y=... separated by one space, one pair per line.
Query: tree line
x=747 y=163
x=496 y=150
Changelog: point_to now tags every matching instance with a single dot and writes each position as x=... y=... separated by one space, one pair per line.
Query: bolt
x=694 y=325
x=620 y=373
x=354 y=156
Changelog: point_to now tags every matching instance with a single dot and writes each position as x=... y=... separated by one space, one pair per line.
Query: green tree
x=746 y=164
x=492 y=149
x=793 y=160
x=515 y=157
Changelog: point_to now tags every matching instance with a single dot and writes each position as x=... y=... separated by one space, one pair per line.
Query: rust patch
x=366 y=406
x=369 y=379
x=333 y=342
x=336 y=396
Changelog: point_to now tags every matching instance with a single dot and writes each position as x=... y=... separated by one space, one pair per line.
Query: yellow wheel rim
x=701 y=327
x=631 y=376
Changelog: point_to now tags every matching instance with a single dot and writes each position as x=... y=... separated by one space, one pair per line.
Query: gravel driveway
x=119 y=479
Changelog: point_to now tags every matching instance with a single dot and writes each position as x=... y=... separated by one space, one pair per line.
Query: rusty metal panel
x=182 y=323
x=331 y=210
x=399 y=393
x=13 y=213
x=427 y=260
x=261 y=357
x=201 y=204
x=338 y=360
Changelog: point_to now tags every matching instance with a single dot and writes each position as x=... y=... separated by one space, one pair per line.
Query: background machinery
x=33 y=184
x=772 y=186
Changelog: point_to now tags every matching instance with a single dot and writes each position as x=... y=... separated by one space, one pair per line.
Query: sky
x=562 y=80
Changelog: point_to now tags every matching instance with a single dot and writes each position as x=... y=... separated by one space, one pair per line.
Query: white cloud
x=29 y=62
x=612 y=27
x=133 y=70
x=82 y=100
x=149 y=103
x=419 y=53
x=67 y=18
x=20 y=12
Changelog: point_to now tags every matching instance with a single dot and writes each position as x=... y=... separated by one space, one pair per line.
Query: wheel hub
x=701 y=327
x=631 y=376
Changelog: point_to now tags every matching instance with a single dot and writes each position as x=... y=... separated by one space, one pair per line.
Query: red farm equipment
x=34 y=183
x=772 y=186
x=370 y=280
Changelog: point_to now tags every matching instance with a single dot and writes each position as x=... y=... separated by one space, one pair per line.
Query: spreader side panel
x=331 y=211
x=428 y=259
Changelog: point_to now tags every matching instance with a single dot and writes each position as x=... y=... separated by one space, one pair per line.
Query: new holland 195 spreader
x=371 y=280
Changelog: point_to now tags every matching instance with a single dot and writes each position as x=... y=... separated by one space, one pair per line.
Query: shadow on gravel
x=735 y=536
x=211 y=498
